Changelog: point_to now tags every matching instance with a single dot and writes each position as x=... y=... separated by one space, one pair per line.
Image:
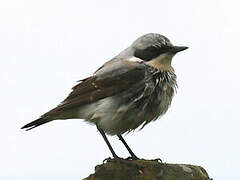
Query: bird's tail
x=35 y=123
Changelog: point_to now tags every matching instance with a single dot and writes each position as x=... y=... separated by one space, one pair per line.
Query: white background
x=47 y=45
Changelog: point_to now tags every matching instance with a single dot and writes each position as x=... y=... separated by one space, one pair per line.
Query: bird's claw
x=157 y=160
x=127 y=161
x=109 y=159
x=132 y=158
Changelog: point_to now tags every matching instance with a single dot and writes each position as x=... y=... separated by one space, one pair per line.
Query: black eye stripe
x=150 y=52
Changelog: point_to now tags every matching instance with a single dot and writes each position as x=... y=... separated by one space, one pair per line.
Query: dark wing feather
x=111 y=79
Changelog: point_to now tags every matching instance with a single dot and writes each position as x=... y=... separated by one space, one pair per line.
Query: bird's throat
x=162 y=62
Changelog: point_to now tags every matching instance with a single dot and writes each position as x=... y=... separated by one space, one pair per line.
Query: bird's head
x=156 y=50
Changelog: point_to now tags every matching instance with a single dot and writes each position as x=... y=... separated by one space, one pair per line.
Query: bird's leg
x=115 y=157
x=108 y=143
x=133 y=156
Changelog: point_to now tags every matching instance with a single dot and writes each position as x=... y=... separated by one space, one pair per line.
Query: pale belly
x=115 y=116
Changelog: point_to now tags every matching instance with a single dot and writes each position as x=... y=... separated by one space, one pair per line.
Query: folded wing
x=109 y=80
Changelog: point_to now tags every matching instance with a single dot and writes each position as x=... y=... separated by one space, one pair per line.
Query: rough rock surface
x=147 y=170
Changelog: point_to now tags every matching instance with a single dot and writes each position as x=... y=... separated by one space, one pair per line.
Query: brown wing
x=112 y=78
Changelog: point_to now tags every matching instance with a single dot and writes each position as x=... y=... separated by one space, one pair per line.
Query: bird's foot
x=132 y=158
x=127 y=161
x=136 y=158
x=109 y=159
x=114 y=159
x=157 y=160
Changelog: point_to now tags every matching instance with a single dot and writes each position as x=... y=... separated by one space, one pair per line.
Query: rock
x=147 y=170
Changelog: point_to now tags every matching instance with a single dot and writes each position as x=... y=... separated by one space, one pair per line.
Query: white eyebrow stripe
x=135 y=59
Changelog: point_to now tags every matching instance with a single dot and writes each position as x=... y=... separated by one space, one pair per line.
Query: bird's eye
x=150 y=53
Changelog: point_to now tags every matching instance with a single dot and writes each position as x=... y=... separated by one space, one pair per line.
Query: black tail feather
x=35 y=123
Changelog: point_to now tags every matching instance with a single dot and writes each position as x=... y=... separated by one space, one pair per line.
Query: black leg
x=108 y=144
x=128 y=148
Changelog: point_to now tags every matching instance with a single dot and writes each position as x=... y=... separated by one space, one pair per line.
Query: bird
x=127 y=92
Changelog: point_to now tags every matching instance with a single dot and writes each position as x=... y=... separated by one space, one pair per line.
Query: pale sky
x=47 y=45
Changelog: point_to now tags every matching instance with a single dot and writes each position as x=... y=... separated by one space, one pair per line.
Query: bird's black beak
x=177 y=49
